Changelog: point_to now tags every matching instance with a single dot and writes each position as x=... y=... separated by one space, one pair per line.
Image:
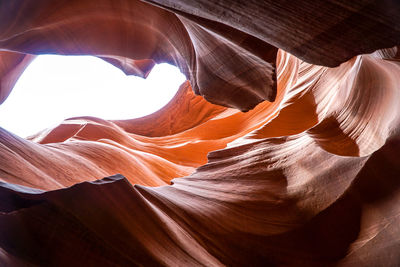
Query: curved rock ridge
x=143 y=34
x=112 y=242
x=319 y=32
x=310 y=179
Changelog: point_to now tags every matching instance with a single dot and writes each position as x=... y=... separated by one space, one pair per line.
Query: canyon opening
x=281 y=146
x=54 y=88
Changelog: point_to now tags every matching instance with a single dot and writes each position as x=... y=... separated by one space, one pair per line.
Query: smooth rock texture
x=219 y=69
x=319 y=32
x=308 y=178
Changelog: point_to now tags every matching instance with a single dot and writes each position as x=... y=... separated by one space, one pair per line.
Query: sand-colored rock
x=308 y=178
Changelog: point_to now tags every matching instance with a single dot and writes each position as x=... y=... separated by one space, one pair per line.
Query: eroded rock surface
x=309 y=177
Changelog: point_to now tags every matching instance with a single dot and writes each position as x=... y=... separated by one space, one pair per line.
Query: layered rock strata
x=307 y=176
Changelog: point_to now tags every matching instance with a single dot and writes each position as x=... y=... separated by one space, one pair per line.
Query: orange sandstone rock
x=308 y=178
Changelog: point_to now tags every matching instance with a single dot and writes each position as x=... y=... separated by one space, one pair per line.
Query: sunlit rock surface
x=310 y=177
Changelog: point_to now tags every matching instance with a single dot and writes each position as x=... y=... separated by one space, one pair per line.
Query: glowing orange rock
x=310 y=179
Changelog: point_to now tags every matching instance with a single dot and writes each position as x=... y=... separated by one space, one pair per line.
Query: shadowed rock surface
x=307 y=176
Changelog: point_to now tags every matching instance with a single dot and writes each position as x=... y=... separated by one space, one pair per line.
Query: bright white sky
x=54 y=88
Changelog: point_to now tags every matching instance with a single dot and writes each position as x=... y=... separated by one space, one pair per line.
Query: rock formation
x=281 y=149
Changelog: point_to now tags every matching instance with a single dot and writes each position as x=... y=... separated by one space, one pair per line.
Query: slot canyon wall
x=281 y=149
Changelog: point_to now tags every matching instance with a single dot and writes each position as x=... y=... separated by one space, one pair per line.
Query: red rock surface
x=308 y=178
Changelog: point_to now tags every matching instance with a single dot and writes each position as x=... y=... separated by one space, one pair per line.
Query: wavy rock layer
x=310 y=179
